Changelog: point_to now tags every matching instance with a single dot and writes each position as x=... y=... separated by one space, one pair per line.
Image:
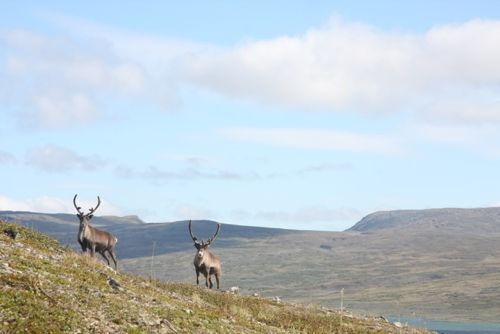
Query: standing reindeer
x=204 y=261
x=93 y=239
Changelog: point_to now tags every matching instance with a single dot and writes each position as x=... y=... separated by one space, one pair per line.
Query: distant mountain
x=478 y=220
x=135 y=237
x=438 y=263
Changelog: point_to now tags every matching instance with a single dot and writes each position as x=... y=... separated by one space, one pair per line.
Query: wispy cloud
x=156 y=175
x=7 y=158
x=54 y=158
x=318 y=139
x=58 y=81
x=196 y=160
x=481 y=139
x=326 y=167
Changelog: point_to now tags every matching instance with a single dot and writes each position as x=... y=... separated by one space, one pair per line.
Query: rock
x=11 y=232
x=277 y=299
x=234 y=290
x=255 y=294
x=6 y=266
x=114 y=284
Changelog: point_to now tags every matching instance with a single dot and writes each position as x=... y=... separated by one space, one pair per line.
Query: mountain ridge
x=380 y=220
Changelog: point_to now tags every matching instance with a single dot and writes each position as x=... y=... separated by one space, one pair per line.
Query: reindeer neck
x=84 y=231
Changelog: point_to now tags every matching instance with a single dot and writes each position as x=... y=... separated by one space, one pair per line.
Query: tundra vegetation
x=438 y=264
x=48 y=288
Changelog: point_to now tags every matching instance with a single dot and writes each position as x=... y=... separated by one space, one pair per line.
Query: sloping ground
x=435 y=264
x=46 y=288
x=438 y=264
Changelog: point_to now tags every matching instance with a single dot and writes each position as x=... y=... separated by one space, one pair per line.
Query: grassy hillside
x=439 y=264
x=47 y=288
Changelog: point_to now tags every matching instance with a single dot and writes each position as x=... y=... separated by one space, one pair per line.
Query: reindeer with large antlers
x=204 y=261
x=94 y=239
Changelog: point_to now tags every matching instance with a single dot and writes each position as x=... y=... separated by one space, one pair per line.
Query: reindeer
x=93 y=239
x=204 y=261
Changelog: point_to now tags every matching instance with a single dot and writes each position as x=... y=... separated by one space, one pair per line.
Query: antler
x=191 y=233
x=98 y=203
x=214 y=236
x=76 y=206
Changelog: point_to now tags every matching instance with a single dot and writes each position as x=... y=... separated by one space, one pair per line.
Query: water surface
x=450 y=327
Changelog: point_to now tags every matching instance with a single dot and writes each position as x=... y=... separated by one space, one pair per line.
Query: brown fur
x=206 y=262
x=93 y=239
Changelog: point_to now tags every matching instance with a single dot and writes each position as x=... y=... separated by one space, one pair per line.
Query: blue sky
x=270 y=113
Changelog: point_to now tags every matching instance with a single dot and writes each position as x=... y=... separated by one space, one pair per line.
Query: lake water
x=449 y=327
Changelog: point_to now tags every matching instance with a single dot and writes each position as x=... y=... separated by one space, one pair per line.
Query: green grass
x=47 y=288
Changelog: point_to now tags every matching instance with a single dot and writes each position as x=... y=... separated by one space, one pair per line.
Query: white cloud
x=449 y=73
x=346 y=66
x=316 y=139
x=47 y=204
x=7 y=203
x=56 y=81
x=53 y=158
x=334 y=67
x=60 y=111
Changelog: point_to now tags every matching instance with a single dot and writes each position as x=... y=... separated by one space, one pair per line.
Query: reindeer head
x=201 y=247
x=85 y=218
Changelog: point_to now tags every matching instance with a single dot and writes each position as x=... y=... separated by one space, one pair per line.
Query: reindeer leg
x=103 y=253
x=113 y=257
x=84 y=248
x=206 y=279
x=83 y=244
x=93 y=250
x=210 y=280
x=217 y=279
x=197 y=276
